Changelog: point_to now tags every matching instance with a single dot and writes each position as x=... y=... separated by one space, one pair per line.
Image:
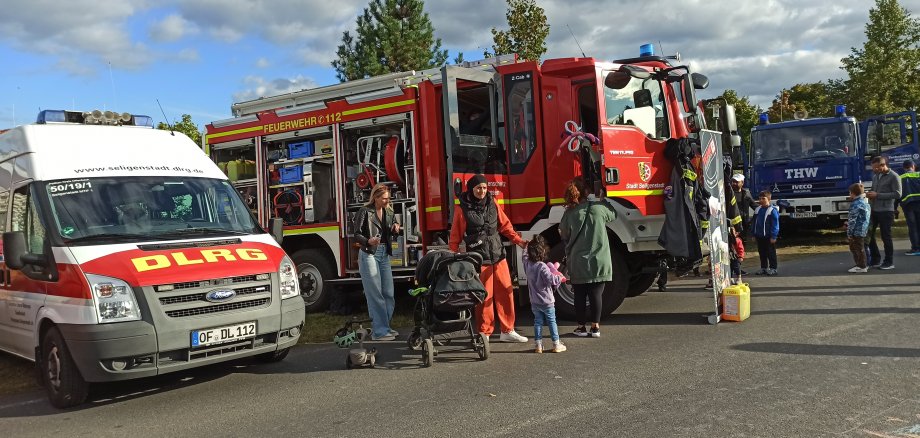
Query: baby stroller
x=449 y=289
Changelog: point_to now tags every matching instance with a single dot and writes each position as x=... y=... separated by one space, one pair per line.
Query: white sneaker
x=858 y=269
x=512 y=336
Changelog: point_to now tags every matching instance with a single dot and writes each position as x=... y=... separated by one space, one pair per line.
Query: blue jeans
x=377 y=279
x=912 y=214
x=544 y=315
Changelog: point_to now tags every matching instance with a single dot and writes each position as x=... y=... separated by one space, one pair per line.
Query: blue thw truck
x=808 y=164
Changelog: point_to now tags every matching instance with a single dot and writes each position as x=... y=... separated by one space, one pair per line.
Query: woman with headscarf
x=374 y=226
x=480 y=223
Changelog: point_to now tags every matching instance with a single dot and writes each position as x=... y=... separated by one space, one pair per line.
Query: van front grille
x=217 y=308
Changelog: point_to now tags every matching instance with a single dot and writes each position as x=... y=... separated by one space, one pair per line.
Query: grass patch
x=16 y=375
x=320 y=327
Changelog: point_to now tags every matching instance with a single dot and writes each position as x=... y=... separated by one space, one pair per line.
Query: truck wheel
x=614 y=293
x=61 y=378
x=274 y=356
x=616 y=290
x=640 y=283
x=313 y=269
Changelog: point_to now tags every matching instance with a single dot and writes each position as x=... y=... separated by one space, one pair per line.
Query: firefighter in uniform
x=480 y=223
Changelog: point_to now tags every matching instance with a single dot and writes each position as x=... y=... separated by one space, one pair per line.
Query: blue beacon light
x=647 y=50
x=840 y=110
x=764 y=118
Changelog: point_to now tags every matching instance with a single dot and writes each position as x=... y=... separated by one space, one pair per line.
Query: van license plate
x=219 y=335
x=803 y=214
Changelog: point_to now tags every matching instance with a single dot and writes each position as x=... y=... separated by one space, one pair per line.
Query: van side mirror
x=14 y=247
x=275 y=228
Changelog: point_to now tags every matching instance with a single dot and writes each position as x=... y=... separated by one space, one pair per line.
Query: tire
x=60 y=376
x=640 y=283
x=414 y=341
x=313 y=269
x=274 y=356
x=427 y=353
x=614 y=293
x=483 y=349
x=372 y=360
x=348 y=364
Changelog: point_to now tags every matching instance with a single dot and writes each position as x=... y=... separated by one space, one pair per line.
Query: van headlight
x=113 y=298
x=287 y=274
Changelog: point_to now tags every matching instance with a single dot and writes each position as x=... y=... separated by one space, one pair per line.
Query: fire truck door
x=472 y=139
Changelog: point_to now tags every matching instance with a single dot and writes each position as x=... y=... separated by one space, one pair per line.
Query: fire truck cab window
x=587 y=109
x=522 y=127
x=478 y=150
x=636 y=102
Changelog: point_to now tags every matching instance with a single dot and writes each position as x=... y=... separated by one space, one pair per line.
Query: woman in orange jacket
x=479 y=223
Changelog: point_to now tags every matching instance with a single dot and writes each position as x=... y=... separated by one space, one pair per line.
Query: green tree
x=781 y=108
x=884 y=75
x=185 y=126
x=746 y=114
x=816 y=99
x=526 y=34
x=391 y=36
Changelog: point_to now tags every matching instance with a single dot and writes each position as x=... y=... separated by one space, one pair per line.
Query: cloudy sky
x=199 y=56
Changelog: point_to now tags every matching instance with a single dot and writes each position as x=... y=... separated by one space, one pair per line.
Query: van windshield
x=96 y=210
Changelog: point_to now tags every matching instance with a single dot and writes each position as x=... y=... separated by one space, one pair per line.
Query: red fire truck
x=310 y=157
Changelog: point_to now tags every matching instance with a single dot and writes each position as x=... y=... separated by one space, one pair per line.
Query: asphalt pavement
x=825 y=353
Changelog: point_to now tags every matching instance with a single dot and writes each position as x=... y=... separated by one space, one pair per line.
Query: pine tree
x=391 y=36
x=527 y=31
x=884 y=76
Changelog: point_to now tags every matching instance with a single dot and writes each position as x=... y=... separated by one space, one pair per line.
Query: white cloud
x=187 y=55
x=313 y=25
x=258 y=86
x=172 y=28
x=82 y=35
x=755 y=48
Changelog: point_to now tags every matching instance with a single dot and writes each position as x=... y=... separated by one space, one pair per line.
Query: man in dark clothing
x=746 y=203
x=910 y=204
x=886 y=190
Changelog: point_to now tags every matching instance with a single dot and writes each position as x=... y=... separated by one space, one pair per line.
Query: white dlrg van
x=127 y=254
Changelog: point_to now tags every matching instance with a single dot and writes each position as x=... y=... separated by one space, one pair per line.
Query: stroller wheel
x=483 y=347
x=427 y=353
x=415 y=341
x=372 y=360
x=348 y=364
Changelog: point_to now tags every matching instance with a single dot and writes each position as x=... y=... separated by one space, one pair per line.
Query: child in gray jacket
x=542 y=279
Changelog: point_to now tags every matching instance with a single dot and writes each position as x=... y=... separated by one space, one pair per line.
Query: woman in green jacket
x=584 y=230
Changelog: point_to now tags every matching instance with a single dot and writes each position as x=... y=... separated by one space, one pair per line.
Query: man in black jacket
x=745 y=202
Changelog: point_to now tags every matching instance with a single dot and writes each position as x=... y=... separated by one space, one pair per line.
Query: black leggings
x=594 y=293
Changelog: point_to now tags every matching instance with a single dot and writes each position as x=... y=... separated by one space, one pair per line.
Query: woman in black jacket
x=375 y=225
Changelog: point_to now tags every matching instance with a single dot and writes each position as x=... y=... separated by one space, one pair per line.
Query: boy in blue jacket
x=766 y=230
x=858 y=226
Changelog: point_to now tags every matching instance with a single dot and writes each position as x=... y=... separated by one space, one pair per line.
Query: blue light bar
x=840 y=110
x=647 y=50
x=51 y=116
x=764 y=118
